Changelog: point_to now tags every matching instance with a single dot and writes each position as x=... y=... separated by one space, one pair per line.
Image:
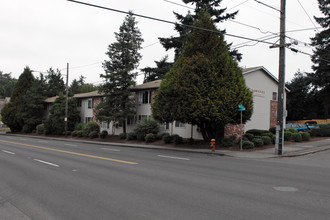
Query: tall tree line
x=309 y=95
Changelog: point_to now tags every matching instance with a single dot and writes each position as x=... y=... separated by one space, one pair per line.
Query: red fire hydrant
x=213 y=144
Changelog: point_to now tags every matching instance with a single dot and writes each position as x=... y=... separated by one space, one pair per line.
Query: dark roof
x=149 y=85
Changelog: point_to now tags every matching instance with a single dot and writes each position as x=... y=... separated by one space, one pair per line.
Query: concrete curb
x=247 y=155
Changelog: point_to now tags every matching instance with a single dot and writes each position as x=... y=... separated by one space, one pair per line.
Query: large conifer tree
x=119 y=74
x=321 y=57
x=205 y=85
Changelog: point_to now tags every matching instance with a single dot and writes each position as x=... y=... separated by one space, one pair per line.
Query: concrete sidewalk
x=293 y=150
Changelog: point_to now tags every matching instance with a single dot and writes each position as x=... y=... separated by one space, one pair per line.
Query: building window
x=131 y=120
x=88 y=119
x=274 y=96
x=90 y=103
x=78 y=102
x=179 y=124
x=145 y=97
x=144 y=117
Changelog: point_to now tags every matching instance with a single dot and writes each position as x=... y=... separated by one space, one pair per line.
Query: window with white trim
x=145 y=97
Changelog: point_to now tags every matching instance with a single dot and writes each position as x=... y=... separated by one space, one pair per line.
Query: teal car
x=297 y=126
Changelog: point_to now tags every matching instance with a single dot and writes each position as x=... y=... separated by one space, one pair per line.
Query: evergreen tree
x=217 y=15
x=11 y=111
x=298 y=98
x=6 y=84
x=55 y=83
x=32 y=106
x=321 y=57
x=119 y=74
x=79 y=86
x=158 y=72
x=55 y=124
x=205 y=85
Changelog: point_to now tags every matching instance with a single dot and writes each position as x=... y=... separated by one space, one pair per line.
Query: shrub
x=122 y=136
x=74 y=133
x=167 y=139
x=145 y=127
x=103 y=134
x=292 y=130
x=257 y=132
x=305 y=136
x=249 y=136
x=79 y=126
x=93 y=134
x=131 y=136
x=41 y=129
x=269 y=135
x=287 y=135
x=91 y=126
x=177 y=139
x=150 y=137
x=322 y=131
x=266 y=139
x=272 y=130
x=296 y=137
x=258 y=142
x=247 y=145
x=228 y=142
x=26 y=128
x=79 y=134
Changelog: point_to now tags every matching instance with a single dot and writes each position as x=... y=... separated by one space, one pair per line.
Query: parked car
x=297 y=126
x=311 y=124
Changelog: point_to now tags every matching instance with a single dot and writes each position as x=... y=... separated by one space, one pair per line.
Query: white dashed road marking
x=8 y=152
x=48 y=163
x=177 y=158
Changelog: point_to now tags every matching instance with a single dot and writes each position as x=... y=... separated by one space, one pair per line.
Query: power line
x=305 y=29
x=169 y=22
x=308 y=54
x=237 y=5
x=268 y=6
x=179 y=4
x=306 y=13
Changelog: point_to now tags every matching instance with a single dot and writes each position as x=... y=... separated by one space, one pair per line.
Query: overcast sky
x=51 y=33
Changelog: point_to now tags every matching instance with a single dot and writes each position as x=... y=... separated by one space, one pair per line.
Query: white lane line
x=178 y=158
x=45 y=162
x=43 y=141
x=72 y=145
x=110 y=149
x=8 y=152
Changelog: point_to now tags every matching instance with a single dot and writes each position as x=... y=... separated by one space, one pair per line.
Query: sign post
x=241 y=108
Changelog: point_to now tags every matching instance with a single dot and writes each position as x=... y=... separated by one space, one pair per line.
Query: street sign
x=241 y=108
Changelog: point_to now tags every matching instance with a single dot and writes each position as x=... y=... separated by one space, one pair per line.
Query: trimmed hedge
x=249 y=136
x=296 y=137
x=322 y=131
x=167 y=139
x=103 y=134
x=145 y=127
x=305 y=136
x=257 y=132
x=247 y=145
x=41 y=129
x=150 y=138
x=267 y=140
x=177 y=139
x=122 y=136
x=93 y=134
x=228 y=142
x=292 y=130
x=258 y=142
x=287 y=135
x=131 y=136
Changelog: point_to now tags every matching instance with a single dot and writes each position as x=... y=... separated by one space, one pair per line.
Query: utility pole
x=66 y=100
x=281 y=87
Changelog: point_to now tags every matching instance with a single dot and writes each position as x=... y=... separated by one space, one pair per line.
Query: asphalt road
x=46 y=179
